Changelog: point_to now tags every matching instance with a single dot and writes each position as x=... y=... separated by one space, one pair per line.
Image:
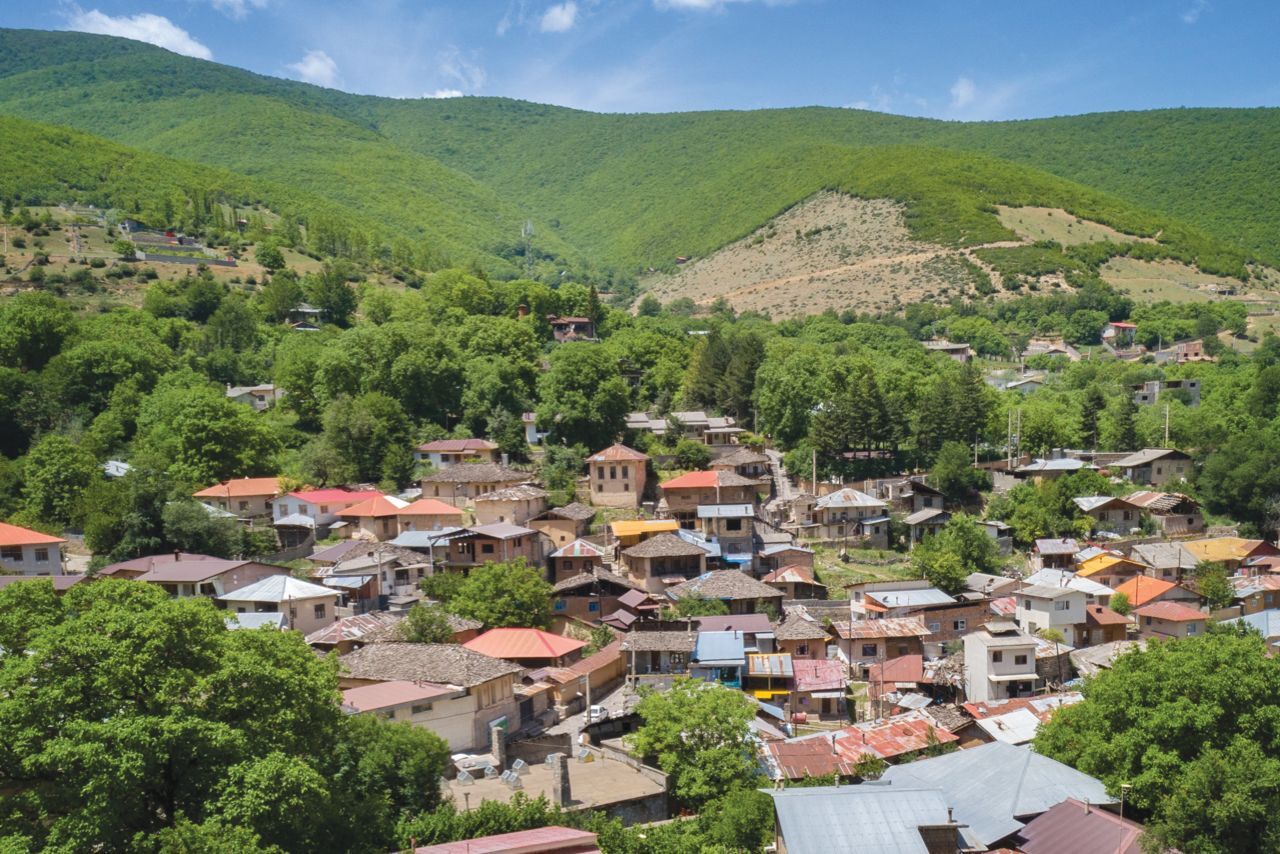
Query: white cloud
x=444 y=93
x=316 y=67
x=963 y=93
x=1193 y=13
x=144 y=27
x=463 y=70
x=238 y=9
x=514 y=16
x=708 y=5
x=559 y=18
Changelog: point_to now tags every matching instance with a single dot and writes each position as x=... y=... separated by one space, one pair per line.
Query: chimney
x=177 y=555
x=1086 y=806
x=561 y=795
x=498 y=746
x=506 y=459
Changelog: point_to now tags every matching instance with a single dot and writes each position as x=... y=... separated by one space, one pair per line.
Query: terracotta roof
x=384 y=695
x=818 y=674
x=724 y=584
x=657 y=641
x=513 y=643
x=1174 y=612
x=13 y=535
x=664 y=545
x=1076 y=826
x=793 y=574
x=242 y=487
x=457 y=446
x=904 y=668
x=808 y=757
x=374 y=508
x=447 y=664
x=1142 y=589
x=617 y=453
x=1101 y=615
x=563 y=840
x=477 y=473
x=708 y=480
x=897 y=627
x=429 y=507
x=574 y=511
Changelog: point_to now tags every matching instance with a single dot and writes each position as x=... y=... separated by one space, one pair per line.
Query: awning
x=764 y=694
x=296 y=520
x=827 y=695
x=1012 y=677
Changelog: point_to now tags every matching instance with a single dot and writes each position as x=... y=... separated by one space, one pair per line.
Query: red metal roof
x=13 y=535
x=904 y=668
x=819 y=674
x=1173 y=611
x=892 y=737
x=513 y=643
x=1076 y=826
x=375 y=507
x=383 y=695
x=551 y=840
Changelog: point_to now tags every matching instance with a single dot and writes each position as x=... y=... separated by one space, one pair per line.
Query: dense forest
x=463 y=177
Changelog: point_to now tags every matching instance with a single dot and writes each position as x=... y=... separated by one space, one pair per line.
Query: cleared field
x=1032 y=223
x=830 y=251
x=1153 y=281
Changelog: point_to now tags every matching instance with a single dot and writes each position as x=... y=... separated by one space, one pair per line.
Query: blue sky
x=983 y=59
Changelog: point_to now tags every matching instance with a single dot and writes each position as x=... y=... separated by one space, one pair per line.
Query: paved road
x=781 y=483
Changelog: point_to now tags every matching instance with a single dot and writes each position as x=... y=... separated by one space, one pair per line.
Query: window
x=934 y=628
x=1026 y=603
x=1191 y=629
x=1062 y=605
x=244 y=505
x=42 y=556
x=626 y=472
x=420 y=708
x=320 y=611
x=560 y=605
x=600 y=472
x=997 y=656
x=868 y=650
x=626 y=487
x=593 y=606
x=486 y=548
x=1020 y=659
x=599 y=487
x=928 y=501
x=902 y=649
x=324 y=508
x=11 y=553
x=613 y=472
x=302 y=508
x=733 y=524
x=959 y=625
x=1146 y=620
x=802 y=649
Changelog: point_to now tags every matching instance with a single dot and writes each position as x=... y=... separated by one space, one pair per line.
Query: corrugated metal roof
x=869 y=819
x=719 y=647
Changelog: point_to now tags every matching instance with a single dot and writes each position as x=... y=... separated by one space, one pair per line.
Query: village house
x=777 y=555
x=864 y=642
x=1059 y=608
x=652 y=652
x=1101 y=625
x=1167 y=619
x=496 y=543
x=1054 y=553
x=1256 y=593
x=246 y=497
x=531 y=648
x=1038 y=471
x=1016 y=721
x=183 y=575
x=1110 y=515
x=769 y=676
x=955 y=351
x=444 y=453
x=563 y=525
x=1143 y=590
x=347 y=633
x=795 y=582
x=663 y=560
x=487 y=686
x=461 y=484
x=818 y=692
x=374 y=519
x=999 y=662
x=924 y=523
x=1092 y=828
x=515 y=504
x=1050 y=347
x=1119 y=333
x=631 y=532
x=28 y=552
x=1231 y=552
x=849 y=514
x=683 y=495
x=590 y=595
x=420 y=704
x=1095 y=593
x=319 y=507
x=822 y=819
x=616 y=476
x=1182 y=352
x=306 y=607
x=719 y=657
x=260 y=397
x=429 y=514
x=918 y=495
x=1109 y=568
x=572 y=328
x=1174 y=514
x=733 y=527
x=1155 y=466
x=743 y=461
x=576 y=558
x=801 y=636
x=741 y=593
x=691 y=424
x=1150 y=392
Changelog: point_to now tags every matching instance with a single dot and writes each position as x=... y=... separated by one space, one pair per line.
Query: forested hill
x=462 y=176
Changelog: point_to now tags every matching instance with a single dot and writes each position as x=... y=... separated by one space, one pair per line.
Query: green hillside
x=631 y=191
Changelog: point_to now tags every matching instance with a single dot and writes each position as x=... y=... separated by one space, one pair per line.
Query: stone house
x=1155 y=466
x=563 y=525
x=658 y=652
x=683 y=495
x=662 y=560
x=616 y=476
x=590 y=595
x=444 y=453
x=496 y=543
x=738 y=590
x=429 y=514
x=796 y=582
x=515 y=504
x=743 y=461
x=848 y=514
x=1112 y=515
x=730 y=525
x=461 y=484
x=777 y=555
x=1174 y=514
x=576 y=558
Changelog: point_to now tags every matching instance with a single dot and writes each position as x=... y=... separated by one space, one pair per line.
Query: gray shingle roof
x=665 y=544
x=477 y=473
x=659 y=641
x=449 y=664
x=724 y=584
x=992 y=784
x=575 y=511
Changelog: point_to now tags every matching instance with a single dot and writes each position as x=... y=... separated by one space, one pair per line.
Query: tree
x=948 y=557
x=279 y=296
x=582 y=397
x=425 y=624
x=133 y=714
x=33 y=327
x=649 y=306
x=56 y=473
x=1213 y=584
x=692 y=454
x=269 y=256
x=189 y=527
x=700 y=606
x=1091 y=406
x=560 y=469
x=953 y=473
x=1120 y=431
x=699 y=734
x=504 y=594
x=331 y=294
x=1242 y=477
x=1057 y=638
x=125 y=249
x=1120 y=604
x=366 y=431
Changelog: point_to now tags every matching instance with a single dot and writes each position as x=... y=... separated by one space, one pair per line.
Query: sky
x=977 y=60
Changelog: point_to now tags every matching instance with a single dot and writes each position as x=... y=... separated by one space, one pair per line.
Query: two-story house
x=732 y=526
x=1110 y=515
x=319 y=507
x=663 y=560
x=1169 y=620
x=183 y=575
x=496 y=543
x=848 y=514
x=1155 y=466
x=1041 y=606
x=305 y=607
x=862 y=643
x=429 y=514
x=741 y=593
x=999 y=663
x=1173 y=513
x=444 y=453
x=461 y=484
x=375 y=518
x=28 y=552
x=515 y=504
x=683 y=495
x=745 y=462
x=616 y=476
x=246 y=497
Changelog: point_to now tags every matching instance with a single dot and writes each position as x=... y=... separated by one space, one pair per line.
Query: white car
x=595 y=714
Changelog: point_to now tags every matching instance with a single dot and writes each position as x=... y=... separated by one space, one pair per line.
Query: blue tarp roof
x=727 y=647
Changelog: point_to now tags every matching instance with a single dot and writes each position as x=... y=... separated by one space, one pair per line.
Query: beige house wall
x=617 y=483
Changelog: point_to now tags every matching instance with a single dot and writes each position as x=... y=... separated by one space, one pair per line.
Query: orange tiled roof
x=429 y=507
x=12 y=535
x=1142 y=589
x=242 y=487
x=1173 y=611
x=514 y=643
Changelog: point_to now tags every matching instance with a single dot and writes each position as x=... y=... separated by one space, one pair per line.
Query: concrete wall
x=24 y=559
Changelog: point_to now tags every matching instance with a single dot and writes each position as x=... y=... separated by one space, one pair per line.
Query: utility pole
x=814 y=484
x=1166 y=425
